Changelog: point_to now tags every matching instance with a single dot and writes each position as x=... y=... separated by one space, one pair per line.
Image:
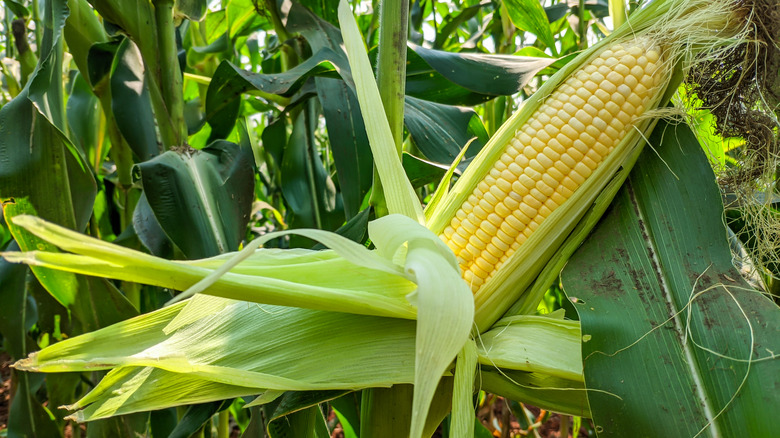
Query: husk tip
x=30 y=363
x=26 y=220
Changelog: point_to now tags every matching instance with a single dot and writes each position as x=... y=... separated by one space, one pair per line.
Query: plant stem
x=173 y=129
x=563 y=430
x=9 y=48
x=36 y=16
x=223 y=427
x=391 y=69
x=582 y=26
x=391 y=79
x=289 y=57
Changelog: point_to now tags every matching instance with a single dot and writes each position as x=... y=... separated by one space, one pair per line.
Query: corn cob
x=552 y=154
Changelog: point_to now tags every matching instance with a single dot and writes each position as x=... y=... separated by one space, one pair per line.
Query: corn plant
x=261 y=234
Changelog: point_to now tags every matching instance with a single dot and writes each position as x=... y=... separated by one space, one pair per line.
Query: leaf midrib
x=192 y=168
x=690 y=359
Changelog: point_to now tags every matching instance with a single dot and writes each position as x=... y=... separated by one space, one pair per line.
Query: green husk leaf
x=534 y=344
x=239 y=346
x=463 y=418
x=540 y=390
x=399 y=193
x=351 y=279
x=445 y=314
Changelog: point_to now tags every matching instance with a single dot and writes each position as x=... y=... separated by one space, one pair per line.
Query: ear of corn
x=540 y=173
x=560 y=146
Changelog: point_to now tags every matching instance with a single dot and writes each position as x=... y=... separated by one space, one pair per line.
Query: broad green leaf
x=26 y=415
x=347 y=409
x=149 y=231
x=491 y=75
x=190 y=9
x=138 y=389
x=126 y=425
x=348 y=141
x=130 y=101
x=556 y=11
x=325 y=9
x=83 y=115
x=453 y=21
x=306 y=185
x=82 y=30
x=229 y=82
x=201 y=199
x=163 y=421
x=298 y=414
x=243 y=18
x=421 y=172
x=18 y=313
x=36 y=155
x=17 y=8
x=195 y=417
x=441 y=131
x=668 y=323
x=529 y=15
x=424 y=82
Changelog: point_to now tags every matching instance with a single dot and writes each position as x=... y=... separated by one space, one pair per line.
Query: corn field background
x=185 y=129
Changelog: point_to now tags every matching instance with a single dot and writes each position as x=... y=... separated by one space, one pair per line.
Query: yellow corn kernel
x=562 y=143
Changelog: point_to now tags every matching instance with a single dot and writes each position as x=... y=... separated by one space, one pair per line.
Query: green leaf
x=18 y=313
x=399 y=193
x=83 y=120
x=421 y=172
x=243 y=18
x=306 y=185
x=229 y=82
x=17 y=8
x=534 y=344
x=441 y=131
x=196 y=416
x=191 y=9
x=131 y=103
x=347 y=409
x=668 y=323
x=490 y=75
x=36 y=155
x=297 y=414
x=201 y=199
x=149 y=231
x=540 y=390
x=348 y=141
x=82 y=30
x=424 y=82
x=529 y=15
x=126 y=425
x=452 y=22
x=26 y=416
x=463 y=390
x=280 y=348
